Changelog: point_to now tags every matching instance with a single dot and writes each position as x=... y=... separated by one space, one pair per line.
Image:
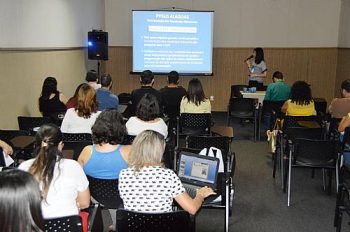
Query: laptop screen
x=198 y=167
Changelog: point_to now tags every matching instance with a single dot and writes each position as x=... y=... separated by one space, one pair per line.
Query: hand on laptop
x=6 y=148
x=205 y=192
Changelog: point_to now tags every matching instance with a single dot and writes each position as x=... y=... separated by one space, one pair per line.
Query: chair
x=106 y=192
x=129 y=221
x=343 y=197
x=225 y=180
x=124 y=98
x=21 y=142
x=243 y=108
x=74 y=143
x=311 y=153
x=67 y=224
x=193 y=124
x=95 y=220
x=288 y=135
x=29 y=123
x=128 y=139
x=236 y=90
x=333 y=133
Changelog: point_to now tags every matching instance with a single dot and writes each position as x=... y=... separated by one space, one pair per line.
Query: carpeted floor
x=259 y=204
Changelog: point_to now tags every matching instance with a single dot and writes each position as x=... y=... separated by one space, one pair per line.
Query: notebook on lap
x=196 y=171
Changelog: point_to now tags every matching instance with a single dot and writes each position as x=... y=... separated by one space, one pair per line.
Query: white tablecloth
x=260 y=95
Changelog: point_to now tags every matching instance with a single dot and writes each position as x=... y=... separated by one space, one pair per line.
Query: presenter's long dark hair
x=195 y=92
x=49 y=87
x=300 y=93
x=259 y=55
x=20 y=200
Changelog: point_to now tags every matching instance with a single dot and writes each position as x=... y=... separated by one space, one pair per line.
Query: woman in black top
x=51 y=101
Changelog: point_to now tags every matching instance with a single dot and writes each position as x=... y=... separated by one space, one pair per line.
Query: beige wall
x=54 y=23
x=243 y=23
x=344 y=24
x=22 y=75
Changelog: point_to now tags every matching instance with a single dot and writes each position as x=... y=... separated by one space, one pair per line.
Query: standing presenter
x=257 y=68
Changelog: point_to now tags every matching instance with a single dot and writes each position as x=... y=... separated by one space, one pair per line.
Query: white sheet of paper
x=8 y=159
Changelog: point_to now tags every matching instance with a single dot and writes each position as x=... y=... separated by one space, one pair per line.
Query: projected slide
x=173 y=40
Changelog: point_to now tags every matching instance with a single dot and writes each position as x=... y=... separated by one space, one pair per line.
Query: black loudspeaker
x=98 y=45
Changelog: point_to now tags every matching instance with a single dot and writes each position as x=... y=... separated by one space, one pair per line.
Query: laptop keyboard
x=191 y=190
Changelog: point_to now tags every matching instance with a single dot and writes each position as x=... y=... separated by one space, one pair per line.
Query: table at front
x=259 y=95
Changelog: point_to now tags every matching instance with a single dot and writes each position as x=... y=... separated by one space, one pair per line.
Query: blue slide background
x=204 y=35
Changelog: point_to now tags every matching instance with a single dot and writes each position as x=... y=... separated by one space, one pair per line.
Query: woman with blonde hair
x=64 y=186
x=146 y=186
x=81 y=118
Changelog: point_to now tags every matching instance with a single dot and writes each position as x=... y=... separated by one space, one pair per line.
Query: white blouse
x=72 y=123
x=135 y=126
x=69 y=179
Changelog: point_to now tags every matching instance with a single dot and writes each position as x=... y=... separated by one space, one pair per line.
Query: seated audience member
x=20 y=199
x=344 y=123
x=81 y=118
x=279 y=90
x=148 y=187
x=147 y=117
x=340 y=107
x=195 y=101
x=64 y=186
x=147 y=81
x=51 y=101
x=105 y=98
x=6 y=148
x=73 y=101
x=300 y=102
x=172 y=95
x=106 y=158
x=92 y=79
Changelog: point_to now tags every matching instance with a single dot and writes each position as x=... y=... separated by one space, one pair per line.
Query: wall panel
x=22 y=75
x=318 y=66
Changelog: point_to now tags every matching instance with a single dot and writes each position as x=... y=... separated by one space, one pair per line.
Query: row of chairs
x=188 y=124
x=302 y=143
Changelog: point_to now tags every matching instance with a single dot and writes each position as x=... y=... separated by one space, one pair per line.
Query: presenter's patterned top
x=257 y=69
x=150 y=190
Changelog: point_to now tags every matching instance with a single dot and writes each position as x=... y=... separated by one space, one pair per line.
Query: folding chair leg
x=282 y=162
x=227 y=205
x=289 y=176
x=336 y=177
x=329 y=189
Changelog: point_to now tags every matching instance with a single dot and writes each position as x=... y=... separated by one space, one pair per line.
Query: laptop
x=196 y=171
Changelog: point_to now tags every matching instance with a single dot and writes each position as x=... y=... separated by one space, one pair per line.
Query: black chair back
x=315 y=152
x=195 y=123
x=76 y=143
x=304 y=133
x=68 y=224
x=236 y=90
x=292 y=121
x=128 y=139
x=29 y=123
x=129 y=221
x=124 y=98
x=105 y=191
x=242 y=107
